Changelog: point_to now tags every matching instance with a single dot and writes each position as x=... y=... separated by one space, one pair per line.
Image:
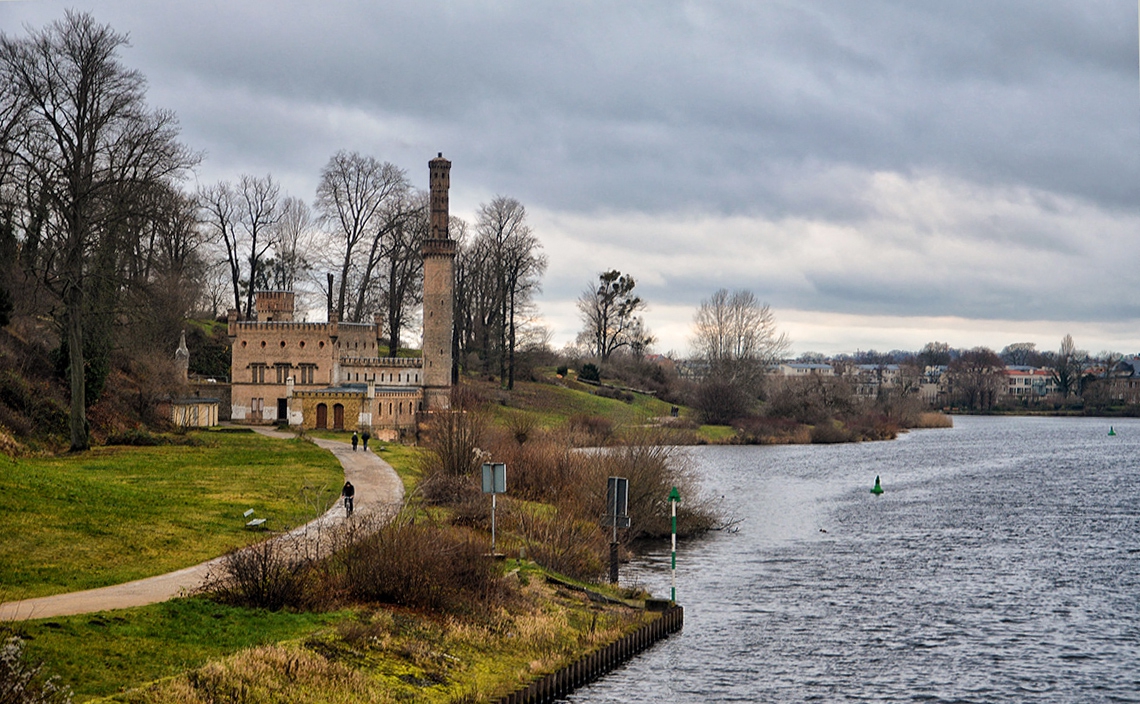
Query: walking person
x=365 y=436
x=348 y=492
x=356 y=439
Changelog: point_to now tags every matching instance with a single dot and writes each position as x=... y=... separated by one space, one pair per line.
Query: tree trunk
x=78 y=420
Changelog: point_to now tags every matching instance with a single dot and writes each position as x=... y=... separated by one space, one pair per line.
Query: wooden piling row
x=593 y=665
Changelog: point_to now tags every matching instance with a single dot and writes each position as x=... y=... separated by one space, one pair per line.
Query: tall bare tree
x=1068 y=366
x=219 y=215
x=935 y=354
x=976 y=377
x=291 y=244
x=86 y=143
x=259 y=209
x=609 y=313
x=404 y=266
x=736 y=336
x=512 y=272
x=360 y=199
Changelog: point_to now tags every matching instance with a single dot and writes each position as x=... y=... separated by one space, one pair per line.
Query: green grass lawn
x=100 y=654
x=716 y=433
x=116 y=514
x=553 y=405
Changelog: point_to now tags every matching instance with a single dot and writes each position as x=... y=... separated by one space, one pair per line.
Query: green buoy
x=1111 y=431
x=877 y=489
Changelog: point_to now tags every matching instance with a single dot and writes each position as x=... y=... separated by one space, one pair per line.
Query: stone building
x=330 y=374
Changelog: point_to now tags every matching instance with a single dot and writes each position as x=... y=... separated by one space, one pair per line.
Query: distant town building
x=799 y=369
x=1028 y=383
x=1124 y=380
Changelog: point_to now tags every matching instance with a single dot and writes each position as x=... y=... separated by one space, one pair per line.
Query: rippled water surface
x=1001 y=565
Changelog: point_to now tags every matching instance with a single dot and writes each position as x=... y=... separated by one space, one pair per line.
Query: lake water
x=1002 y=564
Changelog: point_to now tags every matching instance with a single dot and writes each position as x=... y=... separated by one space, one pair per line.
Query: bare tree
x=292 y=239
x=1020 y=353
x=356 y=197
x=976 y=377
x=219 y=214
x=87 y=144
x=935 y=354
x=258 y=206
x=404 y=264
x=510 y=272
x=736 y=336
x=609 y=313
x=1068 y=366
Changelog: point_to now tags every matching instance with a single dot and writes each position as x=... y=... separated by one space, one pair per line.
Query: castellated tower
x=439 y=286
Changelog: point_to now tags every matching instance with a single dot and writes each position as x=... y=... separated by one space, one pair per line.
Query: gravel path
x=379 y=492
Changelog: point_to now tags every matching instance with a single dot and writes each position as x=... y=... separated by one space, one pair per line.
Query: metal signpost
x=617 y=508
x=674 y=499
x=494 y=483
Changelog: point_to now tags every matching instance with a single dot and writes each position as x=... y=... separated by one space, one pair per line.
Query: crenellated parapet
x=394 y=362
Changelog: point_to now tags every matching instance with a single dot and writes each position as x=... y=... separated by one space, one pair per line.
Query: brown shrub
x=934 y=420
x=598 y=430
x=872 y=426
x=273 y=575
x=421 y=566
x=768 y=431
x=562 y=543
x=453 y=440
x=830 y=432
x=442 y=489
x=522 y=426
x=540 y=470
x=653 y=469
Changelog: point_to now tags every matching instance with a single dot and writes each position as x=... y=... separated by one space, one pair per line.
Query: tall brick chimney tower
x=439 y=287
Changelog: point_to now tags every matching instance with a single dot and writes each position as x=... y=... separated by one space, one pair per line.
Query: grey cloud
x=775 y=110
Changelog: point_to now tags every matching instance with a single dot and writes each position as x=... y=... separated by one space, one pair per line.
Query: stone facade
x=331 y=375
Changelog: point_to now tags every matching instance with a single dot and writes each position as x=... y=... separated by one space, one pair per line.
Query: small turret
x=182 y=360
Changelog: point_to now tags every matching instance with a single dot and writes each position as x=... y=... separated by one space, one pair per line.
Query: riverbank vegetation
x=198 y=650
x=409 y=611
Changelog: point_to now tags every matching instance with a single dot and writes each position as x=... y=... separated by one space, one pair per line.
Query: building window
x=257 y=373
x=307 y=373
x=282 y=372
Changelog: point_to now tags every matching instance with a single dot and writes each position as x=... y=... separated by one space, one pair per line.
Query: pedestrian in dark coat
x=356 y=439
x=365 y=436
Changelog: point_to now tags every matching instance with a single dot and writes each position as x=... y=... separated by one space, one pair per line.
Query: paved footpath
x=379 y=492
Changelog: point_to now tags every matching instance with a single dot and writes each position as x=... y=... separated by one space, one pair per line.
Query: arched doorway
x=338 y=417
x=322 y=416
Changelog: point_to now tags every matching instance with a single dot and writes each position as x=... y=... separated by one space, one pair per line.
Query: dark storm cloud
x=651 y=105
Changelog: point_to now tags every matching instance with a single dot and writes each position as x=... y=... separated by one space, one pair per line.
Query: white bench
x=256 y=522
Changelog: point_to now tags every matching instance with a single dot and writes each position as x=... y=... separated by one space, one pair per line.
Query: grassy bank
x=195 y=650
x=101 y=654
x=553 y=405
x=353 y=648
x=115 y=514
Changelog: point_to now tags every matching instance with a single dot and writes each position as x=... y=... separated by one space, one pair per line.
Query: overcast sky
x=883 y=173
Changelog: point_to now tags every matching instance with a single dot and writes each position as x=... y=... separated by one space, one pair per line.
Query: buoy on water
x=878 y=488
x=1111 y=431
